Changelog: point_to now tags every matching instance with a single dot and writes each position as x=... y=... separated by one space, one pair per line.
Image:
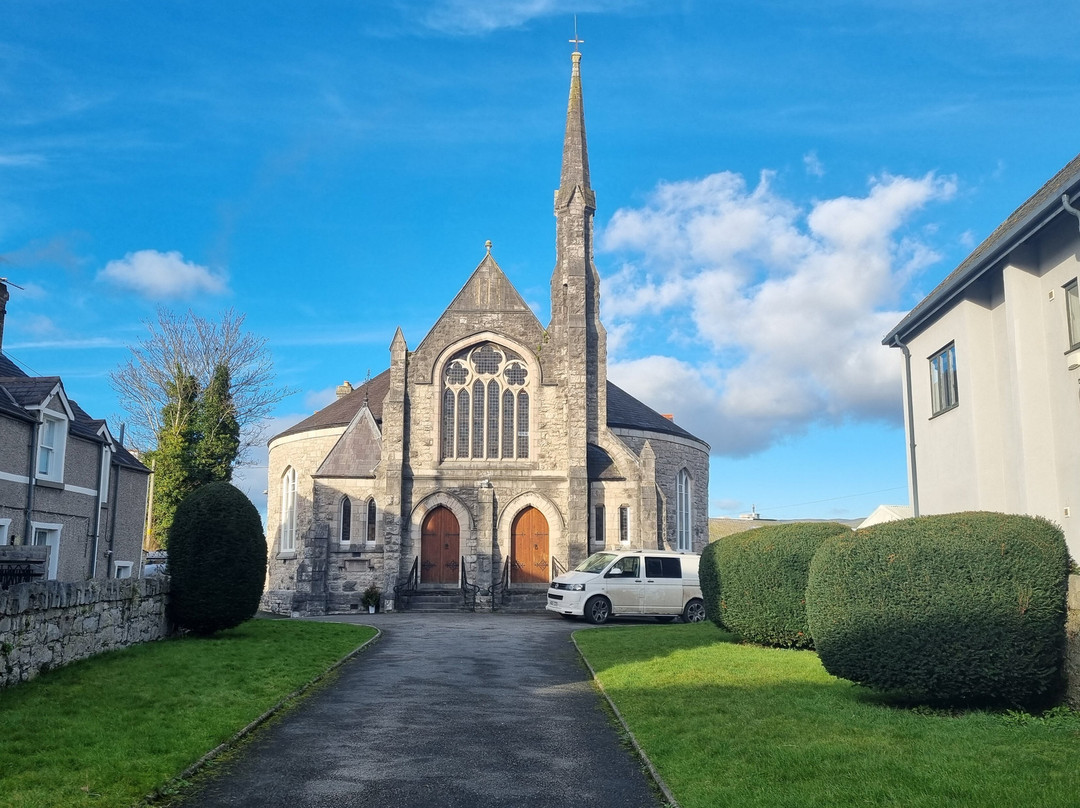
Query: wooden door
x=439 y=547
x=529 y=561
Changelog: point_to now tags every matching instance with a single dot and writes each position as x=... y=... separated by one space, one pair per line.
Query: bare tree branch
x=179 y=346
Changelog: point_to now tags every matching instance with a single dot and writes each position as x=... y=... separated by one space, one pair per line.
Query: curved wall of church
x=672 y=455
x=290 y=574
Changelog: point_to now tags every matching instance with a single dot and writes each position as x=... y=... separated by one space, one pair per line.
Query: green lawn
x=109 y=730
x=738 y=725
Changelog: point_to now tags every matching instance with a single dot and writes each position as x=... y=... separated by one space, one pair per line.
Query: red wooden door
x=439 y=547
x=529 y=561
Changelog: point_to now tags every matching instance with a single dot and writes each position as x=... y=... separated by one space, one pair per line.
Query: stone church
x=496 y=454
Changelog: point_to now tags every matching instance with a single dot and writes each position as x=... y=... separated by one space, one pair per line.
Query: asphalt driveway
x=445 y=710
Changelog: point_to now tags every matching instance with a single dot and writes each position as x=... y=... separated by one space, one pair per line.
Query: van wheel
x=694 y=611
x=597 y=609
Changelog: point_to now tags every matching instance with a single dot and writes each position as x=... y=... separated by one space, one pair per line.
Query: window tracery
x=485 y=404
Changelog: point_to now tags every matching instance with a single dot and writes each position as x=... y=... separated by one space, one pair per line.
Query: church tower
x=576 y=332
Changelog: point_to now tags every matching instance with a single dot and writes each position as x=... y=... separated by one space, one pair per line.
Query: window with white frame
x=52 y=438
x=943 y=395
x=122 y=569
x=288 y=511
x=371 y=514
x=345 y=520
x=1072 y=313
x=683 y=497
x=47 y=535
x=485 y=405
x=624 y=524
x=5 y=532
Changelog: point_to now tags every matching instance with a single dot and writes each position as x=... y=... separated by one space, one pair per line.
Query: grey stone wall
x=673 y=455
x=48 y=624
x=1072 y=647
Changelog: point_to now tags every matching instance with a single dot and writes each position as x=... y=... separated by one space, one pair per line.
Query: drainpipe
x=1065 y=204
x=896 y=343
x=97 y=511
x=115 y=483
x=30 y=478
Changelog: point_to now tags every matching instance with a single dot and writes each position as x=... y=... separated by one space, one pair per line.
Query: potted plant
x=370 y=598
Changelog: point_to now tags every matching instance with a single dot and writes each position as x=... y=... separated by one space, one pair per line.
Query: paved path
x=445 y=710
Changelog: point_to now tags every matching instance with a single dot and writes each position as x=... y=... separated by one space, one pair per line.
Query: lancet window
x=485 y=405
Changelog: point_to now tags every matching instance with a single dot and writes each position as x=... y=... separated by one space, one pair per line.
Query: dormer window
x=485 y=405
x=52 y=438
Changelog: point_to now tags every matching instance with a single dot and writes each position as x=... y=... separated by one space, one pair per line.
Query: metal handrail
x=468 y=590
x=557 y=568
x=402 y=592
x=11 y=574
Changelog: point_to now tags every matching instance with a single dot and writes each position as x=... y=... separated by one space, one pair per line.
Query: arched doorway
x=439 y=547
x=529 y=561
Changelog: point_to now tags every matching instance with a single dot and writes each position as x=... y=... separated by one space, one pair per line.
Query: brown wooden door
x=529 y=561
x=439 y=547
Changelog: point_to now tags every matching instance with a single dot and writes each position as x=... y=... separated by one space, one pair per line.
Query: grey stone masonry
x=48 y=624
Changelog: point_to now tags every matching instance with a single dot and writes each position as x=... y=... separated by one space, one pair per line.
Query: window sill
x=285 y=555
x=47 y=483
x=939 y=413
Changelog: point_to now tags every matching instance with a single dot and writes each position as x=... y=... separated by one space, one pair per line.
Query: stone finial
x=344 y=389
x=487 y=246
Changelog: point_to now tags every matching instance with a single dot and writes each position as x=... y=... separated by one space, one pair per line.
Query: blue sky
x=777 y=183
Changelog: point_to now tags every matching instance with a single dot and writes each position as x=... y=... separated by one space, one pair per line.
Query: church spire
x=575 y=162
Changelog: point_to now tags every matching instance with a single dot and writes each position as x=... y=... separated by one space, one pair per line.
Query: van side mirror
x=613 y=572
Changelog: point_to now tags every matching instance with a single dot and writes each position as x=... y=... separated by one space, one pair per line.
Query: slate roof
x=600 y=465
x=1038 y=210
x=19 y=391
x=623 y=411
x=342 y=411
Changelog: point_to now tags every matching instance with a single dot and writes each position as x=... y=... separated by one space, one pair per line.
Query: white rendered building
x=992 y=371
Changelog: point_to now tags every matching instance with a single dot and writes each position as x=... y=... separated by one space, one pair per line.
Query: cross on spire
x=575 y=41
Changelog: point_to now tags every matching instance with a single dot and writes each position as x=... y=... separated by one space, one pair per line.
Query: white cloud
x=477 y=17
x=790 y=305
x=161 y=276
x=813 y=164
x=21 y=160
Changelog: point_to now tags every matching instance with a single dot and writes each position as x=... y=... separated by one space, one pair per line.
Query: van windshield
x=595 y=563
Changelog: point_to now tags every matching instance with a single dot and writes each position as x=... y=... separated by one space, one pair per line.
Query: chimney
x=344 y=389
x=3 y=309
x=669 y=416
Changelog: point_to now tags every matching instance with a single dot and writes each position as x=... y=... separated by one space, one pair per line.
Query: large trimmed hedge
x=760 y=581
x=710 y=583
x=217 y=559
x=958 y=609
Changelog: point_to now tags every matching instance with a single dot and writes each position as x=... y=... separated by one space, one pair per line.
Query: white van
x=630 y=583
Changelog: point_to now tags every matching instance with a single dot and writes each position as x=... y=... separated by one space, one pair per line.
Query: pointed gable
x=357 y=452
x=487 y=304
x=488 y=290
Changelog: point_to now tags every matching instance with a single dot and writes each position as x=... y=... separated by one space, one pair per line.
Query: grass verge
x=107 y=731
x=731 y=724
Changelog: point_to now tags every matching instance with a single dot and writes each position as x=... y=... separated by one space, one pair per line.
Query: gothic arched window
x=371 y=521
x=346 y=520
x=683 y=495
x=485 y=404
x=288 y=511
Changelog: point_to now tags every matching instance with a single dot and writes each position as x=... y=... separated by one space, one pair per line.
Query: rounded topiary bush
x=710 y=583
x=761 y=577
x=217 y=559
x=958 y=609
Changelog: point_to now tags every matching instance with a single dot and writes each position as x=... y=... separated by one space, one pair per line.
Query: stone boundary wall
x=1072 y=644
x=47 y=624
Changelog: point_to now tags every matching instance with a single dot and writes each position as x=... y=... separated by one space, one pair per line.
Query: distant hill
x=719 y=527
